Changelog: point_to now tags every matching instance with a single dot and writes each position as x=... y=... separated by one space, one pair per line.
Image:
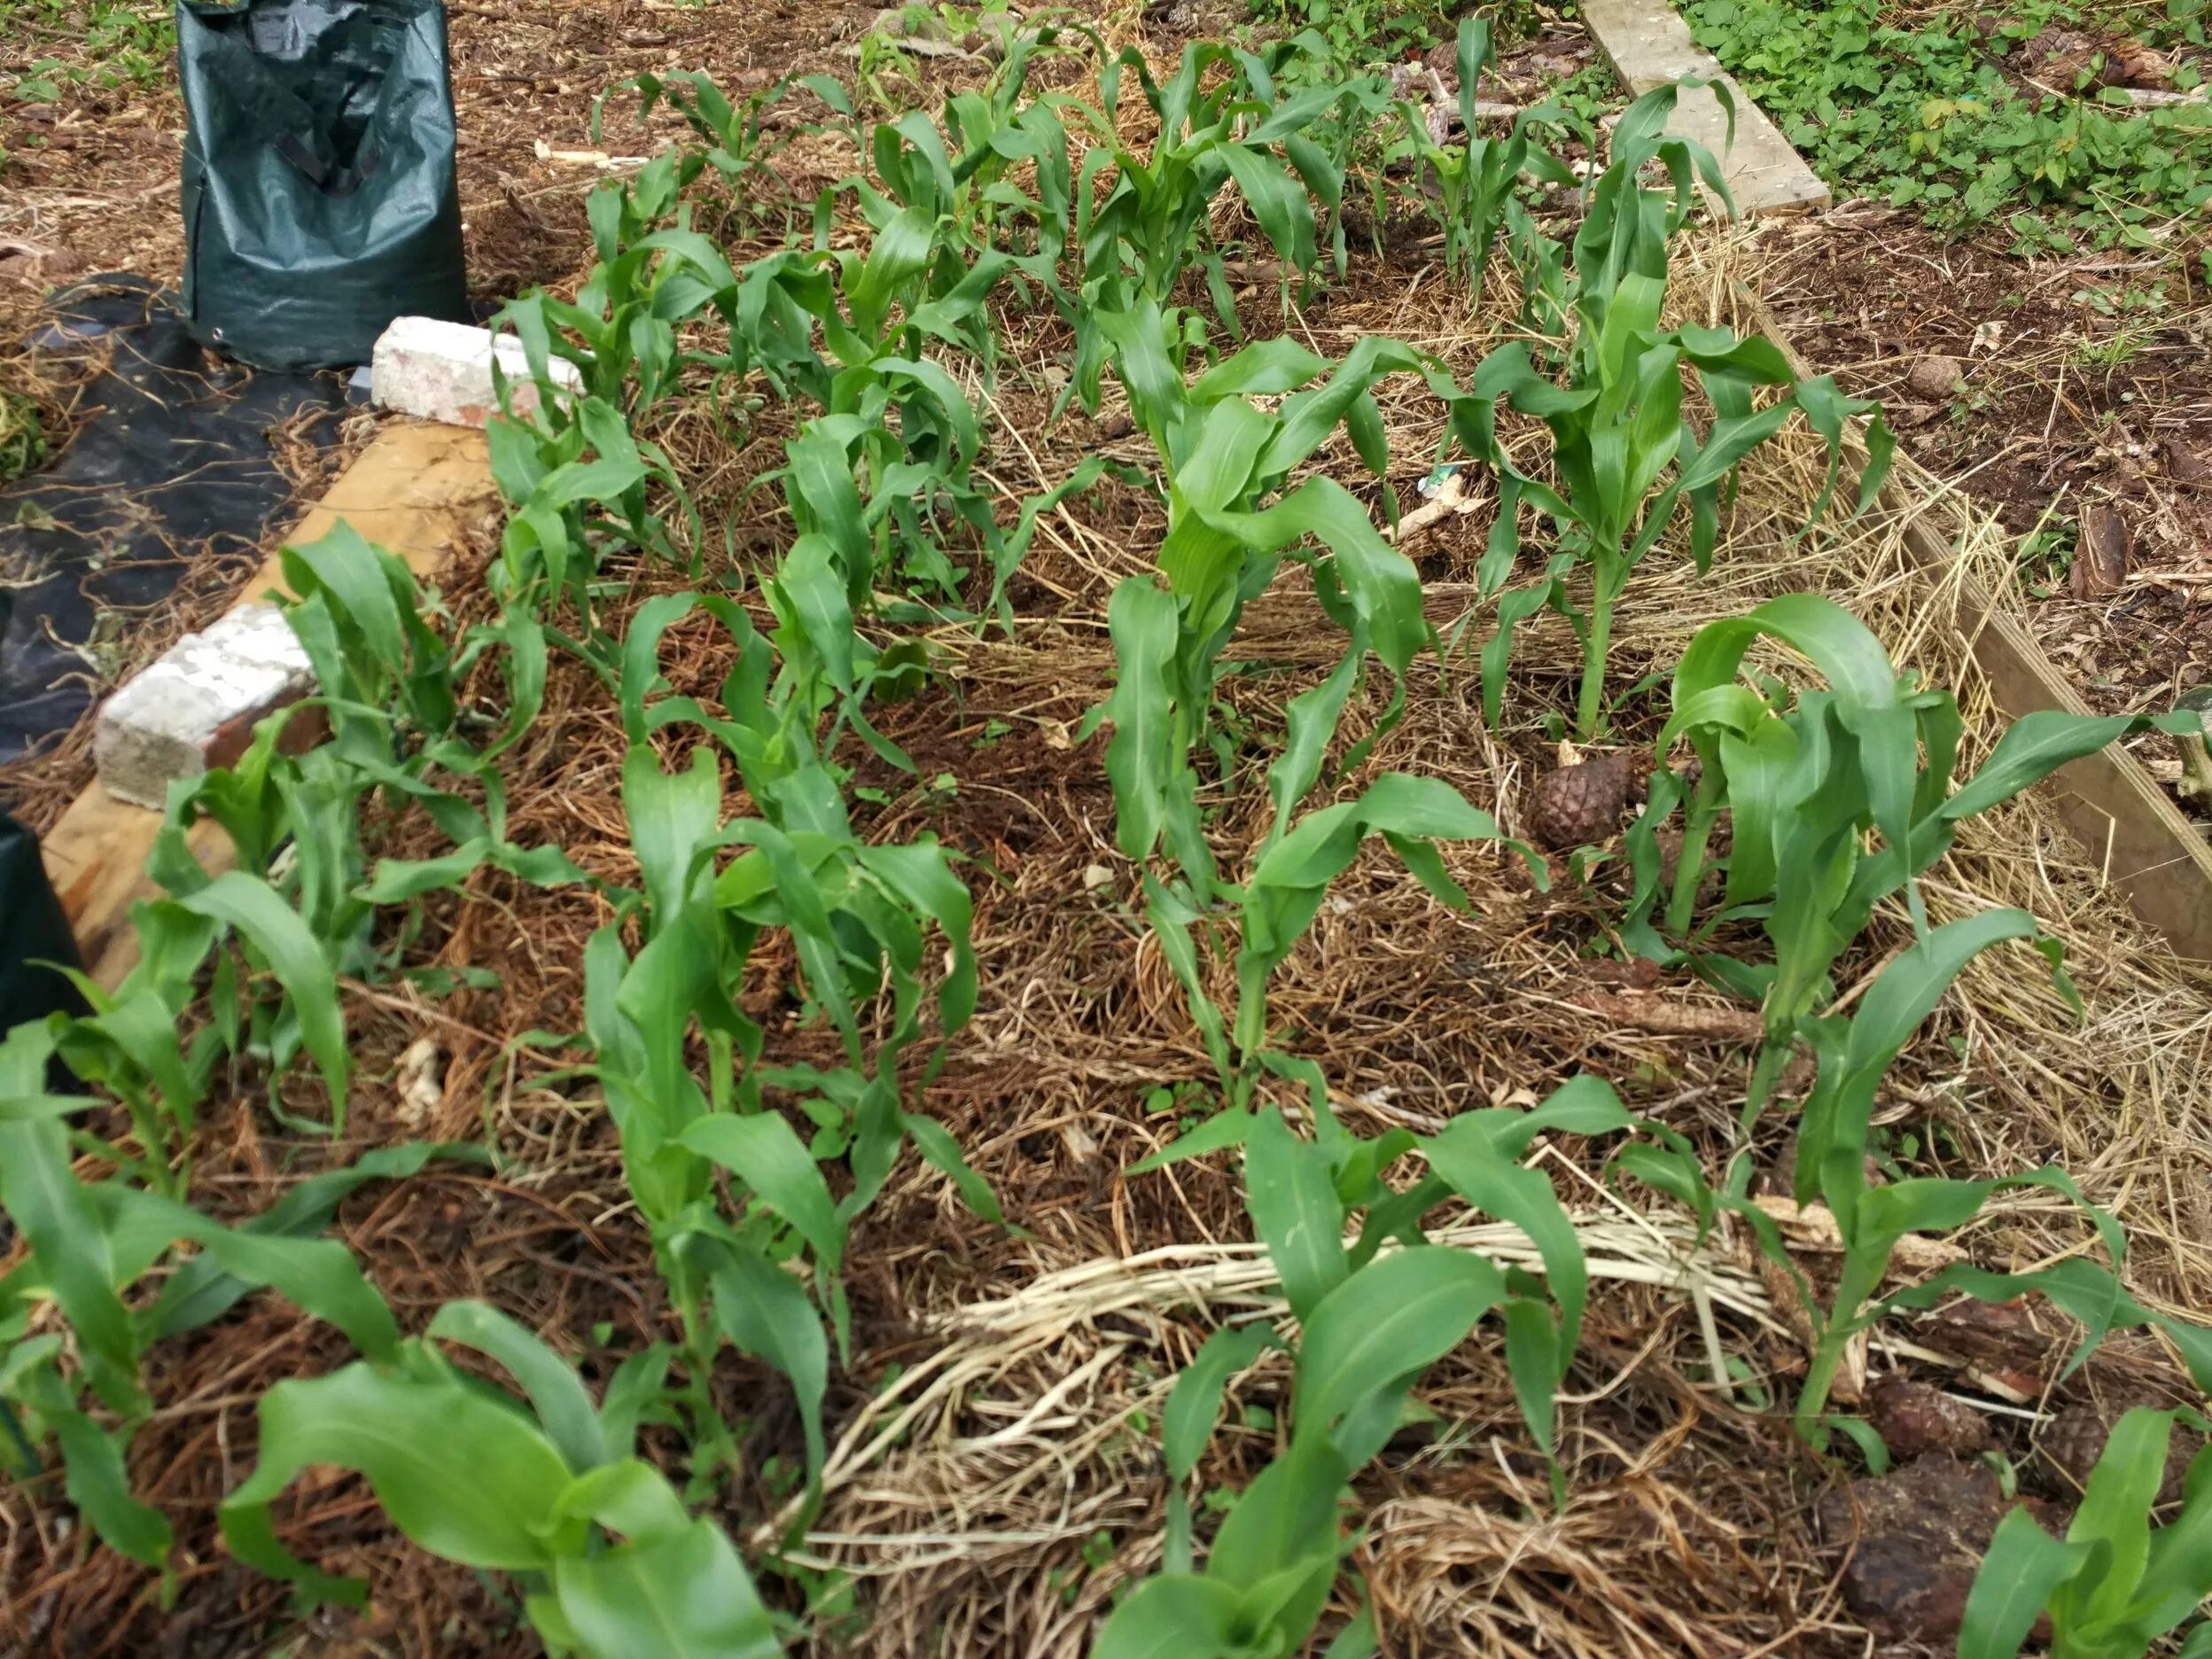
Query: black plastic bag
x=320 y=199
x=34 y=931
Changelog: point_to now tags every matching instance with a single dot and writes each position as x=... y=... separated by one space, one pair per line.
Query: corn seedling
x=88 y=1243
x=547 y=1488
x=1475 y=179
x=2115 y=1586
x=1371 y=1320
x=1625 y=457
x=738 y=145
x=1136 y=244
x=1855 y=1054
x=1838 y=798
x=856 y=915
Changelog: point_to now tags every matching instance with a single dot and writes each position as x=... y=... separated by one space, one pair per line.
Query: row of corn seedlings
x=1832 y=811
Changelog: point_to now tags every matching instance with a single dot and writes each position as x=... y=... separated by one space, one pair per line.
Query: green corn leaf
x=253 y=907
x=1492 y=1182
x=683 y=1595
x=762 y=1309
x=1392 y=1319
x=641 y=657
x=942 y=1152
x=1902 y=996
x=53 y=1212
x=1195 y=1400
x=1227 y=1128
x=463 y=1476
x=764 y=1152
x=318 y=1276
x=635 y=1390
x=1838 y=643
x=549 y=1381
x=1174 y=1615
x=1141 y=618
x=1279 y=1545
x=2115 y=1513
x=2024 y=1565
x=1292 y=1198
x=93 y=1472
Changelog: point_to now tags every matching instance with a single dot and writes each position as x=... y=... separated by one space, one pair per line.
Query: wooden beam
x=1650 y=46
x=413 y=490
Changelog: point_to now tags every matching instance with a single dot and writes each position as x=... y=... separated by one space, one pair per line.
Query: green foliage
x=2115 y=1586
x=1838 y=798
x=1475 y=179
x=1926 y=112
x=610 y=1563
x=1626 y=456
x=22 y=439
x=1372 y=1318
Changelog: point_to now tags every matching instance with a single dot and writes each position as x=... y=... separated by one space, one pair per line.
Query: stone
x=442 y=371
x=1935 y=377
x=194 y=708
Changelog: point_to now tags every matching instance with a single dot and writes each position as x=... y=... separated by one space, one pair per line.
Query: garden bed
x=993 y=1479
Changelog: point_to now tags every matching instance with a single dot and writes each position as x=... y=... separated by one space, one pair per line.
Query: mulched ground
x=1696 y=1524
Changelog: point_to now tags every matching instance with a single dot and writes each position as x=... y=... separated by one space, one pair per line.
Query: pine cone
x=2075 y=1440
x=1579 y=805
x=1913 y=1417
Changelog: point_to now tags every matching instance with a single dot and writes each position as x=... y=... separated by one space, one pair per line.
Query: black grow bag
x=319 y=193
x=35 y=938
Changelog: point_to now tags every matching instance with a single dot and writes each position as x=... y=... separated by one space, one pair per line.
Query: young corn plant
x=738 y=145
x=303 y=904
x=1838 y=798
x=1855 y=1054
x=89 y=1244
x=1153 y=223
x=547 y=1488
x=1371 y=1317
x=857 y=916
x=1475 y=179
x=1626 y=456
x=1224 y=460
x=976 y=195
x=2115 y=1586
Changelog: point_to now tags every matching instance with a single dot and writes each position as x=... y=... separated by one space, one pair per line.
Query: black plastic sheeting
x=174 y=464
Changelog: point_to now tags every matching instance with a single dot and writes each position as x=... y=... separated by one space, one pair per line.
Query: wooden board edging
x=414 y=490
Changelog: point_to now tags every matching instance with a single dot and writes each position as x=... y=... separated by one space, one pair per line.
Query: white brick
x=195 y=707
x=442 y=371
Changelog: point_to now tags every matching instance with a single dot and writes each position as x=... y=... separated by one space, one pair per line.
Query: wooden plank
x=413 y=490
x=1650 y=46
x=2148 y=848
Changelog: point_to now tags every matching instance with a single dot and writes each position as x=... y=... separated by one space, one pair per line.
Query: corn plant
x=1224 y=460
x=1838 y=798
x=973 y=195
x=547 y=1488
x=1854 y=1056
x=1371 y=1319
x=738 y=147
x=1475 y=179
x=2115 y=1586
x=1626 y=456
x=1137 y=242
x=88 y=1243
x=856 y=915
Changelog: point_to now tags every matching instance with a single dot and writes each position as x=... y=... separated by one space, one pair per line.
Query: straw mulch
x=996 y=1475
